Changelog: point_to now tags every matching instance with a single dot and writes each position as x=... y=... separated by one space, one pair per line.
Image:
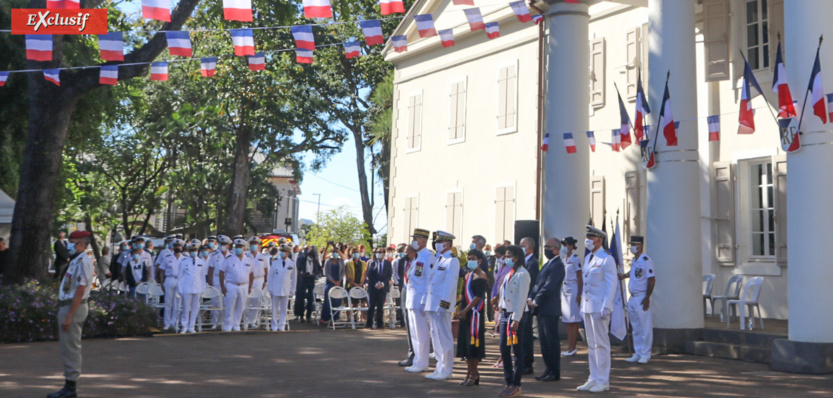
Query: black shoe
x=407 y=362
x=550 y=377
x=67 y=392
x=527 y=371
x=541 y=377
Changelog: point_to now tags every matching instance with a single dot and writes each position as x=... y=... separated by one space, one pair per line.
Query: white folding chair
x=732 y=293
x=318 y=299
x=356 y=295
x=142 y=291
x=266 y=309
x=749 y=300
x=207 y=305
x=253 y=303
x=708 y=284
x=155 y=293
x=390 y=306
x=338 y=292
x=123 y=289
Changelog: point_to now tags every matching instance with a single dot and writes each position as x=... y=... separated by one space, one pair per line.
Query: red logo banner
x=33 y=21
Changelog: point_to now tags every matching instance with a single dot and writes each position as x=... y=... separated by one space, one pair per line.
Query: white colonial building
x=469 y=120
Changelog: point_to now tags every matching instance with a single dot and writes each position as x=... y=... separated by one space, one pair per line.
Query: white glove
x=605 y=313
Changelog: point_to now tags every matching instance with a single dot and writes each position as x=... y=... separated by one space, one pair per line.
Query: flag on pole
x=352 y=49
x=447 y=37
x=521 y=11
x=303 y=37
x=669 y=129
x=746 y=119
x=159 y=10
x=781 y=87
x=208 y=66
x=618 y=324
x=111 y=46
x=642 y=109
x=109 y=75
x=615 y=140
x=372 y=32
x=400 y=43
x=39 y=47
x=569 y=143
x=463 y=2
x=392 y=7
x=179 y=43
x=159 y=71
x=474 y=18
x=492 y=30
x=545 y=144
x=52 y=75
x=257 y=62
x=830 y=106
x=624 y=123
x=244 y=42
x=317 y=9
x=425 y=25
x=714 y=128
x=817 y=89
x=304 y=56
x=3 y=77
x=537 y=18
x=592 y=139
x=237 y=10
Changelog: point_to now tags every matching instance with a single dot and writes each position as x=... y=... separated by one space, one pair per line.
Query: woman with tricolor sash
x=472 y=331
x=514 y=289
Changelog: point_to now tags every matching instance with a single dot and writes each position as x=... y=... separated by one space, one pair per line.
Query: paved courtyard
x=321 y=363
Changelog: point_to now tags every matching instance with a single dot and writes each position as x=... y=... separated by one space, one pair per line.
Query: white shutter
x=775 y=11
x=724 y=217
x=597 y=72
x=457 y=111
x=633 y=56
x=597 y=199
x=716 y=23
x=643 y=62
x=417 y=123
x=507 y=98
x=779 y=164
x=452 y=117
x=633 y=212
x=509 y=213
x=500 y=200
x=454 y=213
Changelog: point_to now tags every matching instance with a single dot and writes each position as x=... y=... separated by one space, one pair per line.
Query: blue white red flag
x=257 y=62
x=537 y=18
x=669 y=129
x=714 y=128
x=591 y=138
x=624 y=123
x=352 y=49
x=474 y=18
x=447 y=37
x=39 y=47
x=392 y=7
x=109 y=75
x=642 y=109
x=159 y=71
x=111 y=46
x=569 y=143
x=545 y=144
x=521 y=11
x=400 y=43
x=318 y=9
x=746 y=120
x=159 y=10
x=208 y=66
x=179 y=43
x=492 y=30
x=303 y=37
x=830 y=106
x=782 y=87
x=52 y=75
x=615 y=140
x=425 y=25
x=372 y=32
x=237 y=10
x=303 y=56
x=817 y=90
x=3 y=77
x=244 y=42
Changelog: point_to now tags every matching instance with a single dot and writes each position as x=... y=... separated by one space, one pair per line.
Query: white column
x=673 y=211
x=810 y=179
x=567 y=176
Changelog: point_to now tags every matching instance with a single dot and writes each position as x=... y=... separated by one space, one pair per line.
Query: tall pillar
x=809 y=190
x=566 y=206
x=673 y=211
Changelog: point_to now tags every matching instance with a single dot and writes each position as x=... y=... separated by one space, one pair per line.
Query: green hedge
x=28 y=313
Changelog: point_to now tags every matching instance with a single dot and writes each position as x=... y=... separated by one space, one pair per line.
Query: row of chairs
x=735 y=299
x=350 y=305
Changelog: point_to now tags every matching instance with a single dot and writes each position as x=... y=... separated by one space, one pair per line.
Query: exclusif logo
x=27 y=21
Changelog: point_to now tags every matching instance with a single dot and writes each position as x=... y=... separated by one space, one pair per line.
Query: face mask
x=564 y=251
x=549 y=253
x=379 y=256
x=403 y=255
x=283 y=255
x=355 y=255
x=192 y=254
x=177 y=250
x=335 y=255
x=509 y=262
x=254 y=248
x=524 y=250
x=224 y=248
x=472 y=246
x=588 y=244
x=440 y=247
x=415 y=245
x=487 y=253
x=140 y=246
x=238 y=251
x=212 y=245
x=204 y=253
x=273 y=252
x=472 y=265
x=135 y=257
x=634 y=250
x=71 y=248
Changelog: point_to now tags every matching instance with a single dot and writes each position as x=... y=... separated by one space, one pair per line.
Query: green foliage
x=340 y=226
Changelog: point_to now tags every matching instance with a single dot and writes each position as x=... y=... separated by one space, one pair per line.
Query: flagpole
x=661 y=114
x=628 y=342
x=750 y=98
x=807 y=92
x=620 y=98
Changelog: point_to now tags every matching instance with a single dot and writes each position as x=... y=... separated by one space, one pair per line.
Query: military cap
x=79 y=234
x=224 y=240
x=133 y=239
x=636 y=239
x=212 y=237
x=178 y=242
x=254 y=239
x=593 y=231
x=569 y=241
x=421 y=233
x=240 y=242
x=443 y=236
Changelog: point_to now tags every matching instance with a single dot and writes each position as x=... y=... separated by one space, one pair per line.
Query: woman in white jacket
x=281 y=281
x=514 y=290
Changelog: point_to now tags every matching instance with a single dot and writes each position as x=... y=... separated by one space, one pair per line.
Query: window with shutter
x=780 y=197
x=757 y=33
x=716 y=23
x=724 y=217
x=633 y=211
x=597 y=72
x=414 y=122
x=597 y=199
x=633 y=58
x=507 y=99
x=454 y=213
x=761 y=209
x=457 y=112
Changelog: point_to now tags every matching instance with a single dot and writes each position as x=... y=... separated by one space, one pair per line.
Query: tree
x=379 y=131
x=339 y=226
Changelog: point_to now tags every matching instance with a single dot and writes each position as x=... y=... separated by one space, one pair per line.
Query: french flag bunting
x=3 y=77
x=392 y=7
x=303 y=56
x=109 y=75
x=425 y=25
x=615 y=140
x=52 y=75
x=817 y=89
x=317 y=9
x=372 y=32
x=244 y=42
x=624 y=123
x=492 y=30
x=159 y=10
x=669 y=129
x=112 y=46
x=447 y=37
x=642 y=109
x=714 y=127
x=63 y=4
x=257 y=62
x=475 y=18
x=521 y=11
x=537 y=18
x=591 y=138
x=782 y=87
x=352 y=49
x=569 y=143
x=179 y=43
x=746 y=120
x=238 y=10
x=830 y=106
x=400 y=43
x=39 y=47
x=303 y=37
x=545 y=144
x=208 y=66
x=159 y=71
x=463 y=2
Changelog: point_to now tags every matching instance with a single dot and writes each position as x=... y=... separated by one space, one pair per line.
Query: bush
x=28 y=313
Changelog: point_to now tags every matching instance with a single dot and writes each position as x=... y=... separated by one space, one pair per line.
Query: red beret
x=79 y=234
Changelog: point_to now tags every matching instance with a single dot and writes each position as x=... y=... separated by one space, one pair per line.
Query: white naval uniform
x=171 y=266
x=259 y=270
x=641 y=322
x=440 y=303
x=419 y=271
x=570 y=309
x=160 y=259
x=236 y=275
x=190 y=286
x=282 y=281
x=600 y=281
x=215 y=260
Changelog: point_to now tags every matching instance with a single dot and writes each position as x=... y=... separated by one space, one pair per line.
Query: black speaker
x=527 y=229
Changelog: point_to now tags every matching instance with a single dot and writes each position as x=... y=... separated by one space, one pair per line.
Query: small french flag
x=237 y=10
x=208 y=66
x=474 y=18
x=616 y=140
x=352 y=49
x=303 y=37
x=817 y=91
x=112 y=46
x=159 y=10
x=425 y=25
x=537 y=18
x=714 y=127
x=52 y=75
x=317 y=9
x=179 y=43
x=569 y=143
x=372 y=32
x=545 y=144
x=463 y=2
x=109 y=75
x=39 y=47
x=303 y=56
x=592 y=139
x=257 y=62
x=159 y=71
x=244 y=42
x=521 y=11
x=492 y=30
x=392 y=7
x=447 y=37
x=830 y=106
x=400 y=43
x=3 y=77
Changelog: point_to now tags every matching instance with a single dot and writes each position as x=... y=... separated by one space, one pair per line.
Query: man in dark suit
x=545 y=301
x=377 y=282
x=61 y=255
x=531 y=265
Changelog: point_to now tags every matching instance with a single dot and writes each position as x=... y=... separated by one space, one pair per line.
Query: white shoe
x=433 y=376
x=432 y=356
x=632 y=359
x=183 y=331
x=644 y=360
x=414 y=369
x=569 y=353
x=600 y=388
x=192 y=331
x=586 y=386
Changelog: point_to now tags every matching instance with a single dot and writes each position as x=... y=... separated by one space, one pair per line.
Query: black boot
x=67 y=392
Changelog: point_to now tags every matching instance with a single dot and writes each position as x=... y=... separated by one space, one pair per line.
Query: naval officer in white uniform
x=640 y=285
x=440 y=303
x=418 y=274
